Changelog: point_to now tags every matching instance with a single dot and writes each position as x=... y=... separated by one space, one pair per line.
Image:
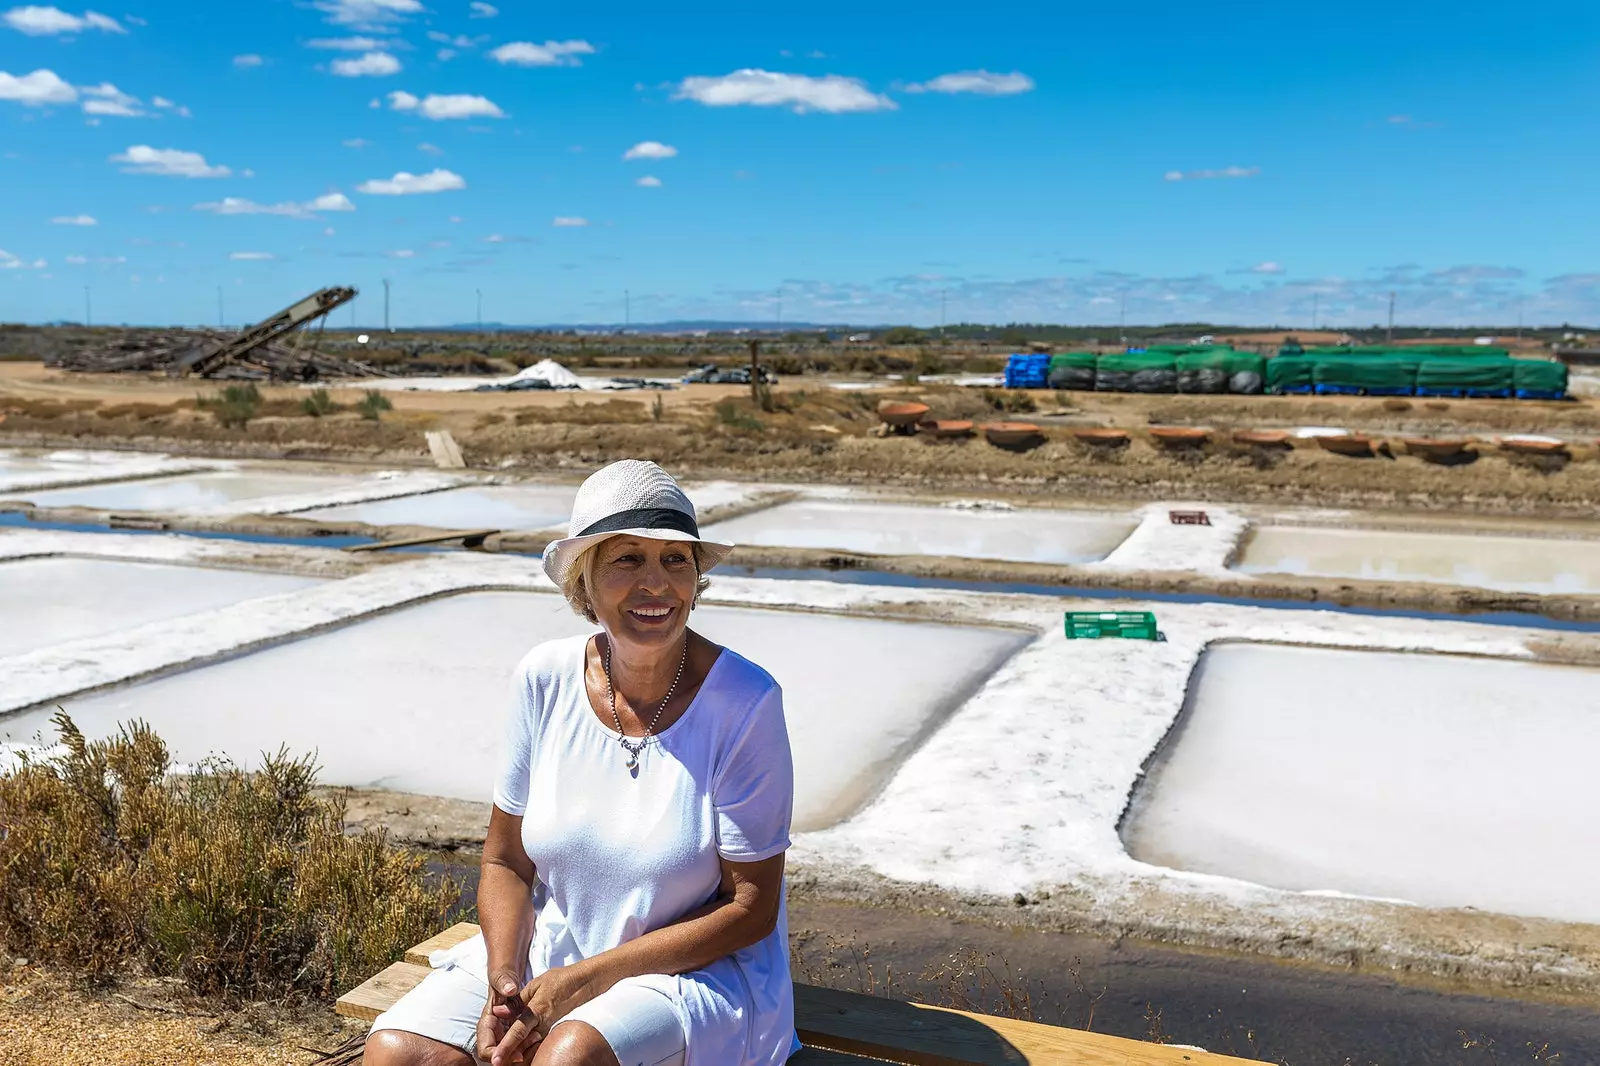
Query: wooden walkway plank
x=378 y=993
x=441 y=941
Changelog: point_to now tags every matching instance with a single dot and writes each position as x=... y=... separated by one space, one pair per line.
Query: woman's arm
x=744 y=912
x=505 y=894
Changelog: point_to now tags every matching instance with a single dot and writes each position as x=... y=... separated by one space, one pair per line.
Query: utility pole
x=480 y=309
x=1388 y=338
x=386 y=328
x=755 y=371
x=88 y=316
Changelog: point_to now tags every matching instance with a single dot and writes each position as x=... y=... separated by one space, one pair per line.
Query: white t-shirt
x=619 y=855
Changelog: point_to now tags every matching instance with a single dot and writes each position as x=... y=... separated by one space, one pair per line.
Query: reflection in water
x=1514 y=564
x=185 y=492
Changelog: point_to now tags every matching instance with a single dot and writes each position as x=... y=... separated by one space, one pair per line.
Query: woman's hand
x=530 y=1014
x=503 y=1005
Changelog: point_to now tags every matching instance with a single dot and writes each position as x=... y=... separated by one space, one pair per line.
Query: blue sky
x=831 y=163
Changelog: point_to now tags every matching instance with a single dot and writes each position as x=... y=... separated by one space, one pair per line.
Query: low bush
x=235 y=405
x=319 y=403
x=373 y=404
x=242 y=884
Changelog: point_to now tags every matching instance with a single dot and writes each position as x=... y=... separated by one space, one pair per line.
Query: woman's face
x=642 y=590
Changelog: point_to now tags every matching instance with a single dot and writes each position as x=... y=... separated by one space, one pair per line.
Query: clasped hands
x=515 y=1020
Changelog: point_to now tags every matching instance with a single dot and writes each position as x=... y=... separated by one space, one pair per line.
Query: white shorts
x=638 y=1021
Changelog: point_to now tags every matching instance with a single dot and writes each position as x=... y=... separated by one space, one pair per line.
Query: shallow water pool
x=185 y=492
x=51 y=601
x=1513 y=564
x=415 y=699
x=509 y=507
x=1442 y=780
x=1036 y=536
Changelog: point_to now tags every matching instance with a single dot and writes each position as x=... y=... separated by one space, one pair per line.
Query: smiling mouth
x=651 y=614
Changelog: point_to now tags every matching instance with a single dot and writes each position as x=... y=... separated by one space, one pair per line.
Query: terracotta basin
x=1012 y=434
x=945 y=428
x=1347 y=444
x=1105 y=438
x=1179 y=436
x=1431 y=448
x=1274 y=438
x=1534 y=447
x=902 y=412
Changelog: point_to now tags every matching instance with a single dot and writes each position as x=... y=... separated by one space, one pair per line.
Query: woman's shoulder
x=552 y=660
x=738 y=677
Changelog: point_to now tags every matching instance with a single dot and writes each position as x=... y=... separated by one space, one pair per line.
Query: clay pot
x=1352 y=444
x=1012 y=434
x=1179 y=436
x=1533 y=447
x=1263 y=438
x=1432 y=449
x=1102 y=438
x=945 y=428
x=902 y=412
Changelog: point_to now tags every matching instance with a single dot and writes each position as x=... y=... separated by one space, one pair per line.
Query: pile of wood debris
x=163 y=350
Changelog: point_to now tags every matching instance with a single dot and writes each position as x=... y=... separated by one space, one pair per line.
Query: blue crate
x=1407 y=391
x=1539 y=394
x=1027 y=371
x=1487 y=394
x=1454 y=394
x=1338 y=390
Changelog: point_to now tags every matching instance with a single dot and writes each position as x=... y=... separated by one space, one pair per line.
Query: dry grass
x=241 y=884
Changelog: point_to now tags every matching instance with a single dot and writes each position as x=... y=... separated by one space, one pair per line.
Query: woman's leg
x=575 y=1044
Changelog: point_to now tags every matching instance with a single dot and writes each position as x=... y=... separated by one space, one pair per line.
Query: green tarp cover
x=1539 y=375
x=1131 y=361
x=1289 y=371
x=1073 y=359
x=1072 y=370
x=1137 y=372
x=1364 y=372
x=1479 y=373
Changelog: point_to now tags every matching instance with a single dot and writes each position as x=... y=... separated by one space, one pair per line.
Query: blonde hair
x=575 y=582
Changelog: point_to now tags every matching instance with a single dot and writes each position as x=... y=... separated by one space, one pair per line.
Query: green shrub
x=731 y=414
x=235 y=405
x=242 y=884
x=319 y=403
x=658 y=408
x=373 y=404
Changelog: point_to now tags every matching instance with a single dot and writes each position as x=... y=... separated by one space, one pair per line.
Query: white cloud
x=445 y=55
x=356 y=142
x=980 y=82
x=250 y=256
x=49 y=21
x=74 y=220
x=1268 y=267
x=346 y=44
x=248 y=60
x=143 y=159
x=460 y=40
x=568 y=221
x=232 y=205
x=404 y=184
x=37 y=89
x=481 y=10
x=549 y=54
x=455 y=220
x=649 y=182
x=650 y=150
x=494 y=238
x=1208 y=175
x=403 y=253
x=12 y=262
x=107 y=99
x=833 y=93
x=77 y=260
x=447 y=106
x=371 y=65
x=431 y=149
x=370 y=15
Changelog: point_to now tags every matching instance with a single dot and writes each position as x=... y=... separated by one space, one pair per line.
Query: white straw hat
x=635 y=497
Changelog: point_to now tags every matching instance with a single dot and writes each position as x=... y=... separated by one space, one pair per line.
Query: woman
x=631 y=897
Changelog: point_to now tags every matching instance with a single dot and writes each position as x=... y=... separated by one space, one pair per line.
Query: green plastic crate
x=1092 y=625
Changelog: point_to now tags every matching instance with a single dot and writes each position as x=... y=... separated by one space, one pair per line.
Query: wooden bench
x=843 y=1028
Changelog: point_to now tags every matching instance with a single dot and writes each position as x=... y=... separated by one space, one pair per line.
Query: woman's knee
x=395 y=1047
x=575 y=1044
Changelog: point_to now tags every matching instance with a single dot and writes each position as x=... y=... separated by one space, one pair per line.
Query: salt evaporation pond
x=185 y=492
x=51 y=601
x=1509 y=563
x=515 y=507
x=1035 y=536
x=415 y=699
x=1442 y=780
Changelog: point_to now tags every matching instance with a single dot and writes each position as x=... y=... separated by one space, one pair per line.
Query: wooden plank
x=472 y=538
x=377 y=994
x=452 y=936
x=934 y=1036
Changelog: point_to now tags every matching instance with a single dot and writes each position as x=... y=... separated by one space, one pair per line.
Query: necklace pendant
x=633 y=760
